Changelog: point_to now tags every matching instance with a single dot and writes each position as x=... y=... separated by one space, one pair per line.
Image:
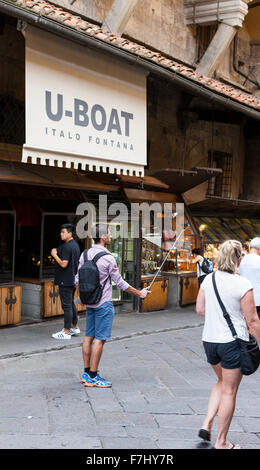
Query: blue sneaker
x=101 y=382
x=87 y=380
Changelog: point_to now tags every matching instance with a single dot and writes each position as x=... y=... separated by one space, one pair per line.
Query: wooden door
x=51 y=300
x=10 y=304
x=189 y=290
x=157 y=300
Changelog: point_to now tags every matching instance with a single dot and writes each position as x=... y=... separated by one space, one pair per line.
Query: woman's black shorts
x=227 y=354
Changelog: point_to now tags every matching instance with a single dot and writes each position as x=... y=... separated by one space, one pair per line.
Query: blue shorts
x=227 y=354
x=99 y=321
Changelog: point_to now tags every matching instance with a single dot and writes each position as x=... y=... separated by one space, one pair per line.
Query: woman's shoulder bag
x=249 y=350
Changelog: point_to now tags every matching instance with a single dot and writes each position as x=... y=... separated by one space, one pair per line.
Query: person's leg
x=103 y=325
x=96 y=353
x=231 y=379
x=86 y=351
x=74 y=310
x=65 y=296
x=214 y=399
x=89 y=336
x=86 y=345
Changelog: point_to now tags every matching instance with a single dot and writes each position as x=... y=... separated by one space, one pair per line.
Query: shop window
x=7 y=222
x=28 y=238
x=51 y=239
x=216 y=230
x=205 y=35
x=116 y=248
x=12 y=120
x=37 y=233
x=156 y=245
x=220 y=185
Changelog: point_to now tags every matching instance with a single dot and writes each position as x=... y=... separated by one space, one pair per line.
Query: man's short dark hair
x=98 y=231
x=68 y=227
x=196 y=251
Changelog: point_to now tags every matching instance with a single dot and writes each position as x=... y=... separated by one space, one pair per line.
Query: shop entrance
x=10 y=294
x=7 y=242
x=125 y=251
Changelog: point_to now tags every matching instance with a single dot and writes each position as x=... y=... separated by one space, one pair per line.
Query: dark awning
x=148 y=181
x=180 y=181
x=213 y=205
x=13 y=172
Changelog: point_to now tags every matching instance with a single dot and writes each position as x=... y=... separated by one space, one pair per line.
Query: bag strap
x=85 y=255
x=225 y=313
x=95 y=259
x=99 y=255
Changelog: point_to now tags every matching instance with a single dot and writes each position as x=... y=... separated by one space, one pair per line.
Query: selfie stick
x=166 y=257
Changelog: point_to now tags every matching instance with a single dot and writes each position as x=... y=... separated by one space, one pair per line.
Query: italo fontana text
x=89 y=139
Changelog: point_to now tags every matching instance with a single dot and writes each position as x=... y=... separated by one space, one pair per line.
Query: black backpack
x=90 y=289
x=207 y=265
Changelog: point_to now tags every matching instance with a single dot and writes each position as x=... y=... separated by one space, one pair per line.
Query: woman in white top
x=221 y=348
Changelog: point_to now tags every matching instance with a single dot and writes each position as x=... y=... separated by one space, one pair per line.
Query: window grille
x=220 y=185
x=204 y=36
x=12 y=120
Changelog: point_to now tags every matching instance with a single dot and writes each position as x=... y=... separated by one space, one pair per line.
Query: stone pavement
x=30 y=338
x=161 y=385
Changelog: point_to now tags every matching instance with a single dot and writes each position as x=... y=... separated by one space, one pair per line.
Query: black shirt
x=67 y=251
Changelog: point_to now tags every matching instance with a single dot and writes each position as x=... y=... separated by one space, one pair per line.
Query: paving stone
x=125 y=419
x=128 y=443
x=161 y=386
x=30 y=441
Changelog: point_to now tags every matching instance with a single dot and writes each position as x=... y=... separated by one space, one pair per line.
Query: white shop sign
x=82 y=107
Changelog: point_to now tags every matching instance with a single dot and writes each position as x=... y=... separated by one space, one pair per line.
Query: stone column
x=118 y=16
x=214 y=54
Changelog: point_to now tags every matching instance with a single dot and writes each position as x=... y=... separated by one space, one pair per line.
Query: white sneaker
x=61 y=335
x=75 y=331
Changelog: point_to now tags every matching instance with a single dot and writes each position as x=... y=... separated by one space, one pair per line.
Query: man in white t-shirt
x=250 y=269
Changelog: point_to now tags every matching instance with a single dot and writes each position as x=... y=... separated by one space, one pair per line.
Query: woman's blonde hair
x=228 y=256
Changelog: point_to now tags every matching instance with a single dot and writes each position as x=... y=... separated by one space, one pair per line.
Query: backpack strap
x=99 y=255
x=85 y=255
x=96 y=258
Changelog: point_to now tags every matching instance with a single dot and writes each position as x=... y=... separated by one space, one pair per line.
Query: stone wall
x=158 y=24
x=183 y=141
x=12 y=53
x=251 y=189
x=162 y=25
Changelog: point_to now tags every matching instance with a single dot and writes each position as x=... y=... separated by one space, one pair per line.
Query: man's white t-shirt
x=231 y=288
x=250 y=268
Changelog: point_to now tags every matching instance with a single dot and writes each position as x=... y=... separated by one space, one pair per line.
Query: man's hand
x=54 y=252
x=144 y=292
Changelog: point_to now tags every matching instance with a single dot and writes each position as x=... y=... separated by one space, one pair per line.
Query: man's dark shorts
x=227 y=354
x=99 y=321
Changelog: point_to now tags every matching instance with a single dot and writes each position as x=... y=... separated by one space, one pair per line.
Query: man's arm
x=123 y=285
x=81 y=262
x=63 y=263
x=139 y=293
x=198 y=259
